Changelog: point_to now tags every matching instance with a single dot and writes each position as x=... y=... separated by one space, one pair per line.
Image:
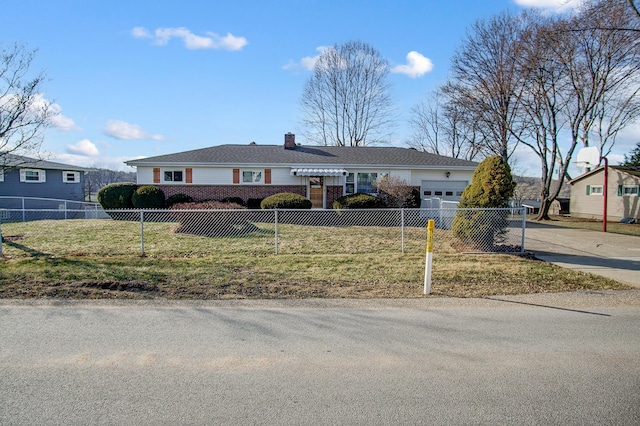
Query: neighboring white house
x=623 y=190
x=320 y=173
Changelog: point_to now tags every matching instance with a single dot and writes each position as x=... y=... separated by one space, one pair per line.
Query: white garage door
x=447 y=190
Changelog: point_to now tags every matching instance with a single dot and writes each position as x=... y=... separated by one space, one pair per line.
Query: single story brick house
x=320 y=173
x=623 y=194
x=29 y=177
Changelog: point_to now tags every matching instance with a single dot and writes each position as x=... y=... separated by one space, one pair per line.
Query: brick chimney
x=289 y=141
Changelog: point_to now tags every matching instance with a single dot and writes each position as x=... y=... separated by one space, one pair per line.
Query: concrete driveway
x=610 y=255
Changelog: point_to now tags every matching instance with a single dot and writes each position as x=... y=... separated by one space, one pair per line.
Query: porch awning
x=318 y=172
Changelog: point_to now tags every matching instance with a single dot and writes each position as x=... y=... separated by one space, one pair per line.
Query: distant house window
x=1 y=175
x=251 y=176
x=71 y=177
x=173 y=176
x=596 y=189
x=629 y=190
x=32 y=176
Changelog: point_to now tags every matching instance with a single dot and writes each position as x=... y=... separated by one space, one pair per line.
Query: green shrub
x=358 y=201
x=117 y=195
x=254 y=203
x=148 y=197
x=491 y=187
x=234 y=200
x=285 y=200
x=178 y=199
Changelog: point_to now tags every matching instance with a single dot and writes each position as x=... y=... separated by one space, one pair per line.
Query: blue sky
x=135 y=79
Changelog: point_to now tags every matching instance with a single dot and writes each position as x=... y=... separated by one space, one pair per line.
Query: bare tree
x=346 y=101
x=485 y=81
x=584 y=84
x=24 y=114
x=442 y=127
x=543 y=106
x=614 y=58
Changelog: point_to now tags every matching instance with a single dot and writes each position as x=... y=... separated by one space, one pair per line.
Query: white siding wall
x=144 y=176
x=417 y=176
x=282 y=175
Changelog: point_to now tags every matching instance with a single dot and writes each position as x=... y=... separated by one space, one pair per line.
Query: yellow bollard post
x=429 y=259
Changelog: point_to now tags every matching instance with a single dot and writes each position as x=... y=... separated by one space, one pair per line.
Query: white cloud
x=57 y=119
x=84 y=148
x=417 y=65
x=105 y=162
x=551 y=5
x=126 y=131
x=308 y=62
x=162 y=36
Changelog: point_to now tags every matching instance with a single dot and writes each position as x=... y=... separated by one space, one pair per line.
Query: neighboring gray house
x=29 y=177
x=623 y=190
x=320 y=173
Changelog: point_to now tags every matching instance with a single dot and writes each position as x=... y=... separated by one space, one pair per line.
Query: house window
x=629 y=190
x=350 y=187
x=1 y=175
x=32 y=175
x=173 y=176
x=596 y=189
x=71 y=177
x=365 y=183
x=251 y=176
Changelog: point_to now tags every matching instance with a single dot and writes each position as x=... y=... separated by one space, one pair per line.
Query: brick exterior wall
x=218 y=192
x=333 y=193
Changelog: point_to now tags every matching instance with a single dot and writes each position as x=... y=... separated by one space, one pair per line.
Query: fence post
x=276 y=229
x=0 y=237
x=402 y=225
x=23 y=213
x=142 y=232
x=524 y=226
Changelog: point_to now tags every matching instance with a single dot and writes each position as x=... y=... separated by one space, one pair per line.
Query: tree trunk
x=545 y=206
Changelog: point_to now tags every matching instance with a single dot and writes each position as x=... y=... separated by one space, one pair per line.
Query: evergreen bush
x=178 y=199
x=358 y=201
x=491 y=187
x=148 y=197
x=285 y=200
x=254 y=203
x=117 y=195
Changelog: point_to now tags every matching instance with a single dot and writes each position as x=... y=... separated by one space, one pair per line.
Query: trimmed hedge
x=285 y=200
x=148 y=197
x=117 y=195
x=234 y=200
x=254 y=203
x=358 y=201
x=178 y=199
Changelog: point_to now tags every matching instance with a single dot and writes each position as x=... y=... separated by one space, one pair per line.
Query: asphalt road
x=548 y=359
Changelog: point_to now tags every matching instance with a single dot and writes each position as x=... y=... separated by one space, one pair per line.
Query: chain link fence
x=201 y=233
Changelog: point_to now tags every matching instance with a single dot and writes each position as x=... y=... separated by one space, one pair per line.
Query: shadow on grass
x=30 y=251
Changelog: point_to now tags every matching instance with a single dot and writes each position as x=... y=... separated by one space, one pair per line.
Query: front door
x=316 y=192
